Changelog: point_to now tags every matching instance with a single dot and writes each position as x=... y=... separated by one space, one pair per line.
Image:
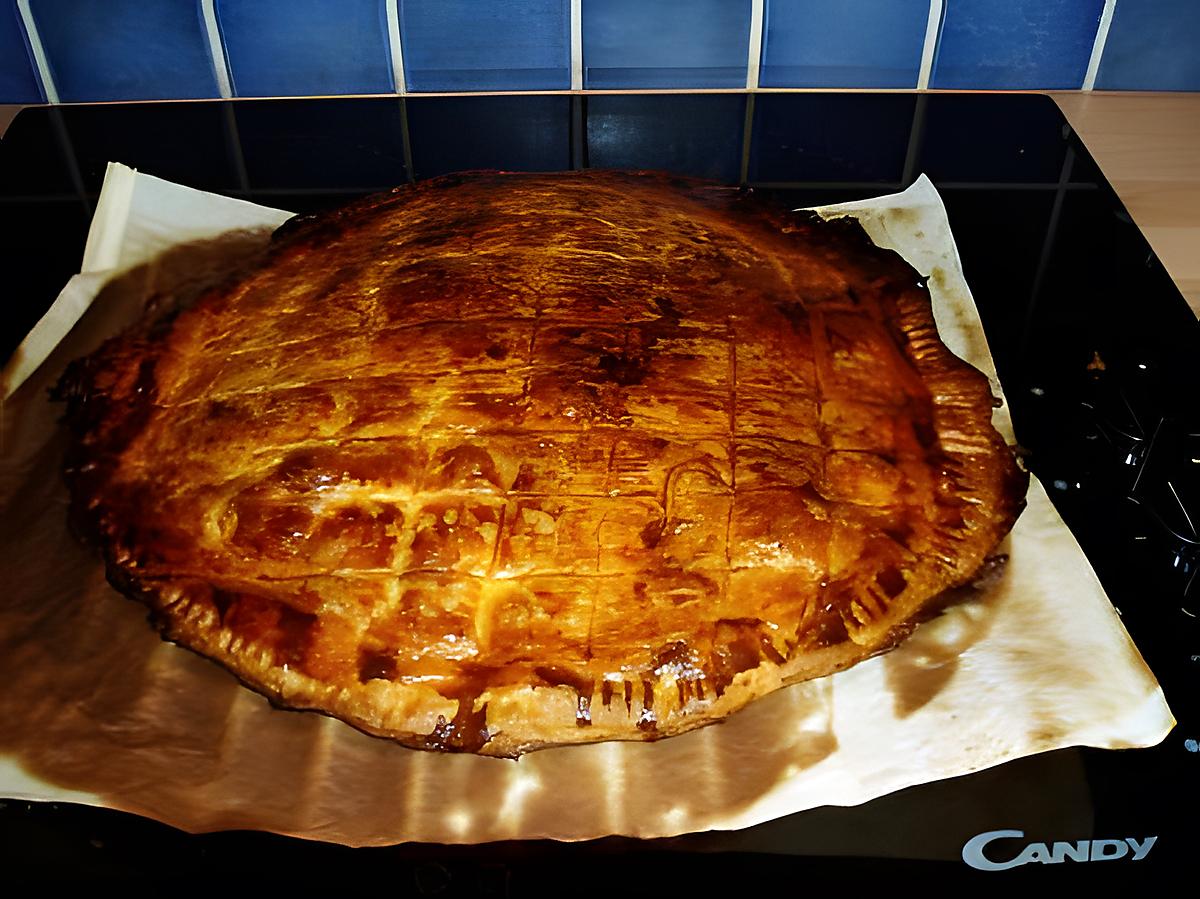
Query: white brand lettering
x=1100 y=849
x=1076 y=852
x=1057 y=853
x=1140 y=849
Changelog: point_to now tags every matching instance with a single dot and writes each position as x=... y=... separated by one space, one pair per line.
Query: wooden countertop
x=1148 y=146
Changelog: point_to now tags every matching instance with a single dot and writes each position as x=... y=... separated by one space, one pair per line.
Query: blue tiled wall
x=833 y=43
x=80 y=50
x=1016 y=43
x=124 y=49
x=1153 y=45
x=18 y=81
x=665 y=43
x=457 y=45
x=303 y=47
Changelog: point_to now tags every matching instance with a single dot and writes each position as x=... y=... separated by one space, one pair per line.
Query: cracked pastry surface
x=498 y=462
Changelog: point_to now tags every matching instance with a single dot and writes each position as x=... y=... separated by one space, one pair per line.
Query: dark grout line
x=68 y=151
x=1048 y=242
x=747 y=140
x=916 y=141
x=234 y=145
x=406 y=142
x=577 y=134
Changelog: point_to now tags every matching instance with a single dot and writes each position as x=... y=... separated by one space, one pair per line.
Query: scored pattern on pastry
x=504 y=461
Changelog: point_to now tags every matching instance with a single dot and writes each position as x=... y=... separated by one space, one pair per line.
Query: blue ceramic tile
x=470 y=45
x=125 y=49
x=519 y=134
x=699 y=135
x=18 y=82
x=1152 y=45
x=286 y=48
x=348 y=143
x=835 y=43
x=1016 y=44
x=665 y=43
x=830 y=137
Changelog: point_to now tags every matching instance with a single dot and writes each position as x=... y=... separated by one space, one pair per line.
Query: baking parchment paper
x=95 y=709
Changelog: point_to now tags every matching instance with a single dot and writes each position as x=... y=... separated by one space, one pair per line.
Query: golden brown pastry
x=499 y=462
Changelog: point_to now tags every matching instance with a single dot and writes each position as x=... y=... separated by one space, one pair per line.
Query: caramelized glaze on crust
x=498 y=462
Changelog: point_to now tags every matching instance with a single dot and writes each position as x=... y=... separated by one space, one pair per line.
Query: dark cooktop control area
x=1097 y=351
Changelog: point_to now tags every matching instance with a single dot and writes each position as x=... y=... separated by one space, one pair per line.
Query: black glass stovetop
x=1095 y=347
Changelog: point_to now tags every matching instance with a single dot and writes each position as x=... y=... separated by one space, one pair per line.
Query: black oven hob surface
x=1095 y=347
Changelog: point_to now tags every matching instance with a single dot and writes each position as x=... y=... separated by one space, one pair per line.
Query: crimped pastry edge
x=191 y=622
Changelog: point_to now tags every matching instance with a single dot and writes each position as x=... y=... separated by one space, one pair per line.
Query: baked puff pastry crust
x=497 y=462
